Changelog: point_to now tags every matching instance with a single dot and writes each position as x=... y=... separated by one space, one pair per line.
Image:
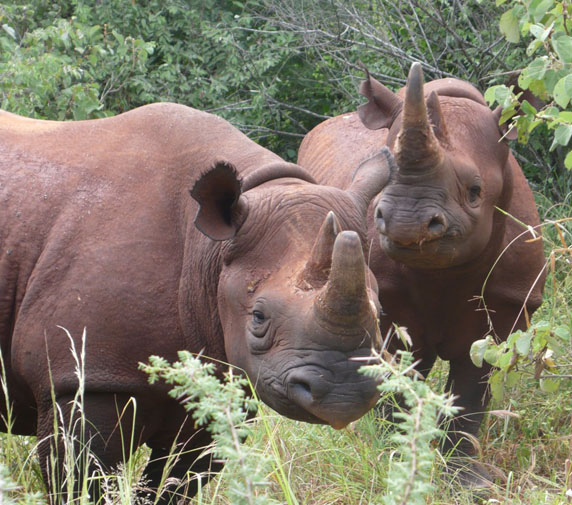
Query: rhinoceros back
x=95 y=221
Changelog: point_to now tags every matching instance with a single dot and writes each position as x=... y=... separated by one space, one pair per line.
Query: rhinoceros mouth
x=331 y=402
x=278 y=396
x=436 y=253
x=422 y=247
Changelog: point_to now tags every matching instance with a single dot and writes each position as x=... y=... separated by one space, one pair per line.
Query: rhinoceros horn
x=417 y=147
x=344 y=303
x=317 y=268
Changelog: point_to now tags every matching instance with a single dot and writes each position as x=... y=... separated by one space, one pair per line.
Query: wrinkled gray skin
x=97 y=231
x=450 y=266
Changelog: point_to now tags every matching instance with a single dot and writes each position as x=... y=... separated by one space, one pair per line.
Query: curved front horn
x=344 y=303
x=417 y=146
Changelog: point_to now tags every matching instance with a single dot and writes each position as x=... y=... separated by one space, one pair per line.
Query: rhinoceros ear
x=372 y=175
x=382 y=106
x=221 y=208
x=511 y=134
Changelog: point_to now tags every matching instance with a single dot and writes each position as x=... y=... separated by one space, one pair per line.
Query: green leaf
x=524 y=80
x=512 y=338
x=542 y=328
x=497 y=385
x=563 y=91
x=568 y=161
x=528 y=109
x=563 y=332
x=537 y=68
x=550 y=79
x=523 y=344
x=490 y=95
x=507 y=113
x=533 y=46
x=537 y=30
x=492 y=355
x=477 y=351
x=512 y=378
x=538 y=88
x=548 y=385
x=540 y=31
x=562 y=44
x=496 y=93
x=550 y=112
x=509 y=26
x=562 y=136
x=534 y=124
x=504 y=359
x=538 y=8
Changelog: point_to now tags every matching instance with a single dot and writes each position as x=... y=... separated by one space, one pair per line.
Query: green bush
x=547 y=76
x=76 y=60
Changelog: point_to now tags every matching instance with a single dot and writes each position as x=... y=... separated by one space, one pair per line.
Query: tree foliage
x=274 y=69
x=546 y=78
x=75 y=60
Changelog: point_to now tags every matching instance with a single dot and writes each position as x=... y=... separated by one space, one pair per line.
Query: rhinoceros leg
x=107 y=436
x=469 y=384
x=188 y=465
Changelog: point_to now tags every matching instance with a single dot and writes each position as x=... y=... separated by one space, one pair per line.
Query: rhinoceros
x=262 y=269
x=451 y=266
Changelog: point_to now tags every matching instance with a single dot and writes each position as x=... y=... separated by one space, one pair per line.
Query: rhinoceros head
x=438 y=209
x=297 y=303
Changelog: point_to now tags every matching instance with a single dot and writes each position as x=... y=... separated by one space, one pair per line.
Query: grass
x=528 y=440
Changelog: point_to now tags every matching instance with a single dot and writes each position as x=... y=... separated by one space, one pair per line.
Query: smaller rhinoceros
x=450 y=265
x=263 y=269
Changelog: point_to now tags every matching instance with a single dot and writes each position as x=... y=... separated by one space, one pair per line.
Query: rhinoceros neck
x=197 y=299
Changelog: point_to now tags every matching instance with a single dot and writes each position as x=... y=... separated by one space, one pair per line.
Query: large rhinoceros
x=448 y=262
x=262 y=269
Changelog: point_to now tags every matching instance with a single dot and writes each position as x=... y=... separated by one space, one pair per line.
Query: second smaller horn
x=317 y=268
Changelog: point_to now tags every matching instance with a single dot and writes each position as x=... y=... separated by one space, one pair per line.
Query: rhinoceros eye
x=259 y=322
x=258 y=317
x=474 y=193
x=260 y=330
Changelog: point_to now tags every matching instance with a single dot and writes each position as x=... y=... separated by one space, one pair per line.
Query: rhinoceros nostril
x=302 y=388
x=437 y=225
x=301 y=393
x=306 y=388
x=379 y=221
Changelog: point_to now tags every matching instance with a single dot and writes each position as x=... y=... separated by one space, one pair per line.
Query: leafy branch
x=547 y=77
x=409 y=475
x=222 y=407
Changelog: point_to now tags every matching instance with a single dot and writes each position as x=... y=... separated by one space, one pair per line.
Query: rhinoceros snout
x=336 y=404
x=410 y=228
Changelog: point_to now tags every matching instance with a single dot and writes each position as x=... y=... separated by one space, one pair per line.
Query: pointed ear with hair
x=382 y=106
x=511 y=134
x=222 y=209
x=372 y=175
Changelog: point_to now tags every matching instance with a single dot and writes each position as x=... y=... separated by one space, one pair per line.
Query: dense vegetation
x=277 y=68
